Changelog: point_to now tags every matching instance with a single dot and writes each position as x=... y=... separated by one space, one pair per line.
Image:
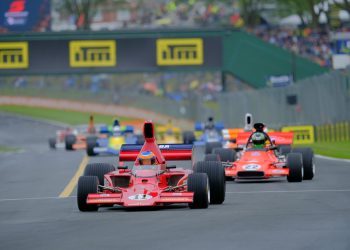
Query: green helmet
x=258 y=139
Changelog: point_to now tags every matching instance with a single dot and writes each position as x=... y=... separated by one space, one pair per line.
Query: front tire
x=91 y=143
x=99 y=170
x=295 y=165
x=209 y=146
x=188 y=137
x=69 y=141
x=198 y=184
x=86 y=185
x=308 y=162
x=52 y=143
x=226 y=155
x=216 y=175
x=212 y=157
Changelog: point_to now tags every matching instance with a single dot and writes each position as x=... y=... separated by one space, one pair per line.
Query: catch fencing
x=319 y=100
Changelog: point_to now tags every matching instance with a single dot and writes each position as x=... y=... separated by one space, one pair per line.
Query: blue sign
x=24 y=15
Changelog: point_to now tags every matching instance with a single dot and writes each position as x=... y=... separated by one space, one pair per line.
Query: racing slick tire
x=91 y=143
x=226 y=154
x=308 y=162
x=99 y=170
x=209 y=146
x=217 y=182
x=285 y=149
x=52 y=143
x=86 y=185
x=69 y=141
x=188 y=137
x=212 y=157
x=295 y=165
x=198 y=183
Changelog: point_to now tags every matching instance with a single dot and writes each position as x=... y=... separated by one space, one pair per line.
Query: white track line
x=332 y=158
x=289 y=191
x=36 y=198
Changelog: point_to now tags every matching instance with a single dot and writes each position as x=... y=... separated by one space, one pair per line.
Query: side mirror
x=170 y=166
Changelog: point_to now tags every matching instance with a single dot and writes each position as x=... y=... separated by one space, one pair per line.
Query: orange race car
x=266 y=155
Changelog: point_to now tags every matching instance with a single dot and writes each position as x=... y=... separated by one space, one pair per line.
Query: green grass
x=69 y=117
x=332 y=149
x=4 y=149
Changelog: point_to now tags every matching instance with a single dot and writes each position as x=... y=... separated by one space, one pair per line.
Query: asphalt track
x=256 y=215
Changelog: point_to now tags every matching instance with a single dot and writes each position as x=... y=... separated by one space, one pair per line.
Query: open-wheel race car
x=155 y=183
x=275 y=158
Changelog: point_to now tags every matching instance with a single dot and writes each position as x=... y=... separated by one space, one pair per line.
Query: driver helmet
x=147 y=158
x=116 y=130
x=258 y=140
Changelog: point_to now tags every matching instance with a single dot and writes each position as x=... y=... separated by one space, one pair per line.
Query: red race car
x=156 y=184
x=275 y=159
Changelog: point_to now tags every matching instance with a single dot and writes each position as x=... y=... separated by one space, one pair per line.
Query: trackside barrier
x=333 y=132
x=302 y=134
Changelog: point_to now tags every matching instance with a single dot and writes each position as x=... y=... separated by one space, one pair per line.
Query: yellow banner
x=14 y=55
x=180 y=52
x=302 y=134
x=92 y=53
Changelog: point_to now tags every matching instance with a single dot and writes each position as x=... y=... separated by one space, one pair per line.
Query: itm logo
x=92 y=53
x=179 y=51
x=14 y=55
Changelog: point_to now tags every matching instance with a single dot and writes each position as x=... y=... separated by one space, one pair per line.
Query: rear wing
x=279 y=138
x=170 y=152
x=231 y=133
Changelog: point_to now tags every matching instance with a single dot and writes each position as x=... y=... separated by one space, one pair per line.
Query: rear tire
x=69 y=141
x=295 y=165
x=216 y=175
x=212 y=157
x=52 y=143
x=199 y=184
x=209 y=146
x=188 y=137
x=91 y=143
x=86 y=185
x=99 y=170
x=226 y=155
x=308 y=162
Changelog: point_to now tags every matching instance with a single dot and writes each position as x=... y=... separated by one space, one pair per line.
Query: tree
x=342 y=4
x=251 y=11
x=83 y=10
x=304 y=9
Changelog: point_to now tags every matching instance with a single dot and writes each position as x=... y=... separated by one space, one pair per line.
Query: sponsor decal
x=256 y=154
x=251 y=167
x=140 y=197
x=180 y=51
x=164 y=146
x=92 y=53
x=14 y=55
x=302 y=134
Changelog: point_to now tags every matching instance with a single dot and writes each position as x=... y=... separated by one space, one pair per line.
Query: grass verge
x=332 y=149
x=65 y=116
x=4 y=149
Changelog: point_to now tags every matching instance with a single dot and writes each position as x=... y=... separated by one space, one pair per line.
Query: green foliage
x=65 y=116
x=332 y=149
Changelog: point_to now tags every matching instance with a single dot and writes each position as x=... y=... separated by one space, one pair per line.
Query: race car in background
x=168 y=133
x=152 y=185
x=75 y=138
x=276 y=159
x=111 y=144
x=207 y=134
